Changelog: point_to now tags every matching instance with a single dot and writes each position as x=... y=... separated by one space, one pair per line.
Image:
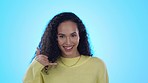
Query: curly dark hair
x=49 y=45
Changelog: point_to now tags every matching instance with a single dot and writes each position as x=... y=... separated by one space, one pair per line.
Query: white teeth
x=67 y=48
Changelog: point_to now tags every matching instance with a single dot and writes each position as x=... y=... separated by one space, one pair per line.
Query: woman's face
x=68 y=38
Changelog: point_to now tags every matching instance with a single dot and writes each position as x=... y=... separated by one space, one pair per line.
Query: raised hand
x=43 y=59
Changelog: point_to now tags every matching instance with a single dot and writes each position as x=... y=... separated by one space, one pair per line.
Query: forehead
x=67 y=27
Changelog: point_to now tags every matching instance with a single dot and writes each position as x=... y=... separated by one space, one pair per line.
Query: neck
x=70 y=62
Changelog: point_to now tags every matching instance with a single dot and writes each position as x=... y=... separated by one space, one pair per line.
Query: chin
x=68 y=54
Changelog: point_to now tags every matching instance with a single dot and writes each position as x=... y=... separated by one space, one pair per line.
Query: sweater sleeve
x=102 y=73
x=33 y=74
x=104 y=78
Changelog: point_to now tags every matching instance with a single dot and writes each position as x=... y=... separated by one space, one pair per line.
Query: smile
x=67 y=48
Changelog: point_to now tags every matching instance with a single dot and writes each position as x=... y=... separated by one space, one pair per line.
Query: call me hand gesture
x=43 y=59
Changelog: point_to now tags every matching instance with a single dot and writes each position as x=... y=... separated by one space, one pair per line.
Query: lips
x=67 y=48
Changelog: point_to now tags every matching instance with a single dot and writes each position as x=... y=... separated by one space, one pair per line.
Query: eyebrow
x=64 y=34
x=73 y=33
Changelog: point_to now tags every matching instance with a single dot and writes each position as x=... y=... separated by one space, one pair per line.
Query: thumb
x=37 y=51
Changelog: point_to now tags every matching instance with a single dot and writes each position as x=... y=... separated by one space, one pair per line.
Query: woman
x=64 y=55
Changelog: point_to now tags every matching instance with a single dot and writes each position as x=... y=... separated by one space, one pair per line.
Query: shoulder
x=94 y=60
x=98 y=62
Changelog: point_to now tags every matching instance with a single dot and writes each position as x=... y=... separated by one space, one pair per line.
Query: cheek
x=60 y=42
x=76 y=40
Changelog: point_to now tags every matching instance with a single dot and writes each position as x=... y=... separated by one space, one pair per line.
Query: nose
x=68 y=40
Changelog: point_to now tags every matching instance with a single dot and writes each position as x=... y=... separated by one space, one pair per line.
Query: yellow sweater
x=87 y=70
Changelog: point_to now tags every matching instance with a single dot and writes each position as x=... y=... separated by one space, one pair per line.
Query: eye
x=73 y=35
x=61 y=36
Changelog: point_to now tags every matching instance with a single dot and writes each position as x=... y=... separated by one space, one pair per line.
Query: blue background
x=118 y=32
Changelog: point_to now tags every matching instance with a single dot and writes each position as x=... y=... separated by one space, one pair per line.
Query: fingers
x=45 y=56
x=52 y=64
x=38 y=53
x=43 y=59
